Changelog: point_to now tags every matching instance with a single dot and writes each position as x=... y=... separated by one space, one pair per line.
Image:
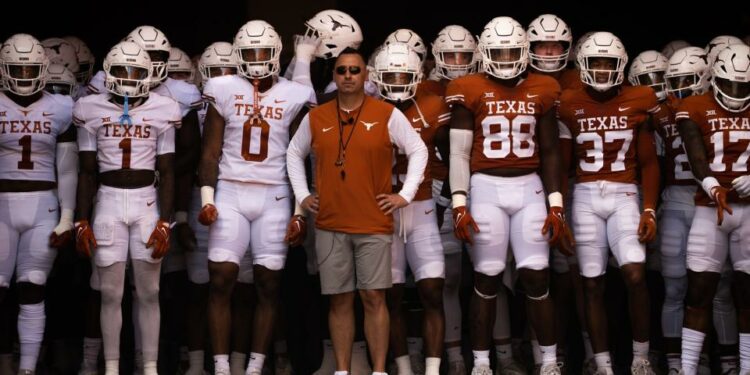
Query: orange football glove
x=85 y=241
x=159 y=239
x=296 y=230
x=719 y=195
x=463 y=223
x=58 y=241
x=560 y=236
x=208 y=214
x=647 y=226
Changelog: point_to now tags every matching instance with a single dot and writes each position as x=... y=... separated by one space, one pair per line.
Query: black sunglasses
x=354 y=70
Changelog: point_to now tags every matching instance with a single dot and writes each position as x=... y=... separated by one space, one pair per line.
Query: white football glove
x=66 y=222
x=742 y=185
x=305 y=46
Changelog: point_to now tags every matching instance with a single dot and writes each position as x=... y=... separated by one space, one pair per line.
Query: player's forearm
x=696 y=153
x=187 y=141
x=183 y=191
x=166 y=185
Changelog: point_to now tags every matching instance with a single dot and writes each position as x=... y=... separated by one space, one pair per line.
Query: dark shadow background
x=193 y=25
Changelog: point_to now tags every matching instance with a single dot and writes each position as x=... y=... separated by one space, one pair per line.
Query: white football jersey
x=184 y=93
x=256 y=153
x=96 y=84
x=28 y=136
x=124 y=146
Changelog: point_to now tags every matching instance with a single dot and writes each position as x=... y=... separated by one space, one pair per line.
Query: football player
x=608 y=123
x=712 y=126
x=246 y=133
x=38 y=155
x=60 y=81
x=397 y=72
x=502 y=131
x=125 y=137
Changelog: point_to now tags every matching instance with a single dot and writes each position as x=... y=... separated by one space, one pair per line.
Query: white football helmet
x=717 y=44
x=574 y=53
x=549 y=28
x=648 y=69
x=455 y=54
x=24 y=64
x=86 y=59
x=599 y=45
x=731 y=78
x=336 y=30
x=60 y=80
x=412 y=39
x=687 y=73
x=504 y=48
x=59 y=51
x=672 y=47
x=397 y=71
x=127 y=69
x=156 y=44
x=258 y=49
x=217 y=55
x=179 y=61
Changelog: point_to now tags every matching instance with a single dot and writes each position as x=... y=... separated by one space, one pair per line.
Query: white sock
x=504 y=354
x=30 y=333
x=414 y=344
x=256 y=362
x=536 y=352
x=341 y=373
x=195 y=359
x=454 y=354
x=640 y=350
x=112 y=367
x=744 y=352
x=728 y=363
x=692 y=343
x=221 y=361
x=91 y=349
x=549 y=354
x=403 y=364
x=379 y=373
x=674 y=361
x=149 y=368
x=481 y=358
x=432 y=366
x=602 y=360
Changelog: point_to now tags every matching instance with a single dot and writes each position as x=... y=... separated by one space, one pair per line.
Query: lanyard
x=343 y=145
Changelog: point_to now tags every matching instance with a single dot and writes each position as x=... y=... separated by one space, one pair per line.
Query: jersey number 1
x=25 y=143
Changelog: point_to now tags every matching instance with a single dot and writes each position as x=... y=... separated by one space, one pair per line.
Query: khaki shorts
x=343 y=257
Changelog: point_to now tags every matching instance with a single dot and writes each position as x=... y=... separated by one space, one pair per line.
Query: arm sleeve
x=299 y=148
x=67 y=173
x=459 y=171
x=86 y=140
x=165 y=142
x=301 y=69
x=402 y=134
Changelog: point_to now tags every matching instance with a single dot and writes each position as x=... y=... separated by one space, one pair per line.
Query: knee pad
x=675 y=290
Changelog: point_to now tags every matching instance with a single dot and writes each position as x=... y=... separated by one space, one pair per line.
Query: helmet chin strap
x=125 y=118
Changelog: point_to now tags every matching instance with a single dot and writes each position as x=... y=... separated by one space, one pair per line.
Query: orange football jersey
x=677 y=168
x=726 y=137
x=347 y=203
x=571 y=79
x=605 y=134
x=432 y=87
x=505 y=118
x=434 y=114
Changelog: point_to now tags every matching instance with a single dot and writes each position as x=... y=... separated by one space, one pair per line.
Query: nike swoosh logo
x=327 y=129
x=147 y=119
x=45 y=114
x=540 y=191
x=277 y=101
x=621 y=109
x=280 y=198
x=630 y=194
x=415 y=119
x=150 y=203
x=51 y=209
x=427 y=212
x=531 y=96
